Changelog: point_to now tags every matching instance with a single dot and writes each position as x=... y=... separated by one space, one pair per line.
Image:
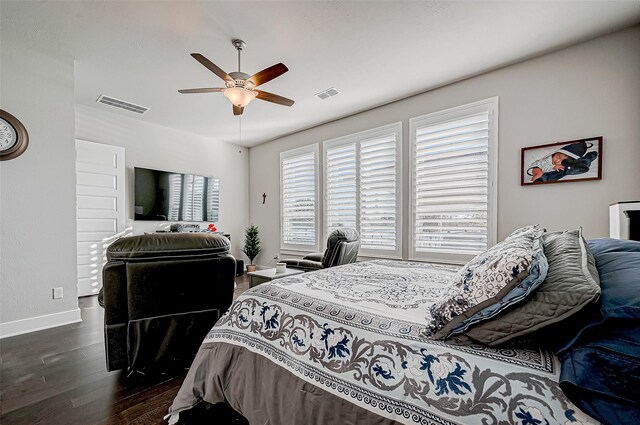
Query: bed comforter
x=345 y=346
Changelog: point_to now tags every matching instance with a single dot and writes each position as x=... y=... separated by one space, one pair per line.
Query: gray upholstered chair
x=342 y=248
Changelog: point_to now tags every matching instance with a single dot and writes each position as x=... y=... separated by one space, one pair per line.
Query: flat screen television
x=169 y=196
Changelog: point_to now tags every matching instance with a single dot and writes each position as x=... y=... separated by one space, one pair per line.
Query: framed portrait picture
x=574 y=160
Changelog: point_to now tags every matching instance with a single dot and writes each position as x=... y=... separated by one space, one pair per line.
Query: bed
x=346 y=346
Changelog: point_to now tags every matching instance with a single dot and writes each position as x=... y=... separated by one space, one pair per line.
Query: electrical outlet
x=57 y=293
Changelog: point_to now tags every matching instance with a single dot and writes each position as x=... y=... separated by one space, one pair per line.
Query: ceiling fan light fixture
x=240 y=85
x=240 y=96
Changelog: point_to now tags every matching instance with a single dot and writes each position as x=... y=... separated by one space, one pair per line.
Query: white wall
x=37 y=189
x=37 y=193
x=152 y=146
x=591 y=89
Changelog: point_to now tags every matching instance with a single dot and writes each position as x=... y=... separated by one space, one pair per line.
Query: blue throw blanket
x=601 y=363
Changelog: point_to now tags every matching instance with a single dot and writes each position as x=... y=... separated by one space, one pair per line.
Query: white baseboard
x=38 y=323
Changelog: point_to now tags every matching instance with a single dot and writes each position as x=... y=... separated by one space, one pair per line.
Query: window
x=299 y=198
x=213 y=199
x=192 y=201
x=453 y=173
x=340 y=187
x=175 y=188
x=187 y=200
x=362 y=182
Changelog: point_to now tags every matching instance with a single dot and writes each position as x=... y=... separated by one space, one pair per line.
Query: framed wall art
x=563 y=162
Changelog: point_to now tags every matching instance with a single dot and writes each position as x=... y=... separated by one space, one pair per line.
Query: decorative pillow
x=483 y=281
x=537 y=274
x=527 y=230
x=571 y=284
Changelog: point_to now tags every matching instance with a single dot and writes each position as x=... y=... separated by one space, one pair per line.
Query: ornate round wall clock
x=14 y=138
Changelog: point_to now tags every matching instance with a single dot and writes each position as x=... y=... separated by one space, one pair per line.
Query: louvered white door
x=100 y=192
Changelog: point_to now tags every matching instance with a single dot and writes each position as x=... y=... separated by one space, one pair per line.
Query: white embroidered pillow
x=483 y=281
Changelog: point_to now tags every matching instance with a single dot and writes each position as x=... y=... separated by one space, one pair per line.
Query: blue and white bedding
x=349 y=338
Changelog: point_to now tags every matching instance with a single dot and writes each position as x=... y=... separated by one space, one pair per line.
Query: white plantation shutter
x=361 y=182
x=213 y=199
x=175 y=188
x=453 y=170
x=378 y=194
x=341 y=187
x=193 y=198
x=298 y=171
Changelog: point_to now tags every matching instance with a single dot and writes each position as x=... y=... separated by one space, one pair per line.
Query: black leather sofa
x=342 y=248
x=162 y=293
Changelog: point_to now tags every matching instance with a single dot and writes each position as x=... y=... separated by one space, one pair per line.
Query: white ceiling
x=374 y=52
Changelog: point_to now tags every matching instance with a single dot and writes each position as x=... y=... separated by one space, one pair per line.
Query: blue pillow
x=600 y=365
x=619 y=262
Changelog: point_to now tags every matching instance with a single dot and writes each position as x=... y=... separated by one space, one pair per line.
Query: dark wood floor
x=59 y=376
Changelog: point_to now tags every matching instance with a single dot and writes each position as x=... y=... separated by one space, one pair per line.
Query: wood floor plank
x=59 y=376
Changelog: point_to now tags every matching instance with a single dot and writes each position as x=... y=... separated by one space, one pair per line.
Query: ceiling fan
x=240 y=87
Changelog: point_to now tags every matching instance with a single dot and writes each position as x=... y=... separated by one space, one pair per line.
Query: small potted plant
x=251 y=245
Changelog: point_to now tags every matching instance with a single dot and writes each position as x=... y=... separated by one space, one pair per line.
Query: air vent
x=122 y=104
x=325 y=94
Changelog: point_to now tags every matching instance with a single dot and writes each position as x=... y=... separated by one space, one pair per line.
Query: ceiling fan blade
x=211 y=66
x=203 y=90
x=237 y=110
x=274 y=98
x=268 y=74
